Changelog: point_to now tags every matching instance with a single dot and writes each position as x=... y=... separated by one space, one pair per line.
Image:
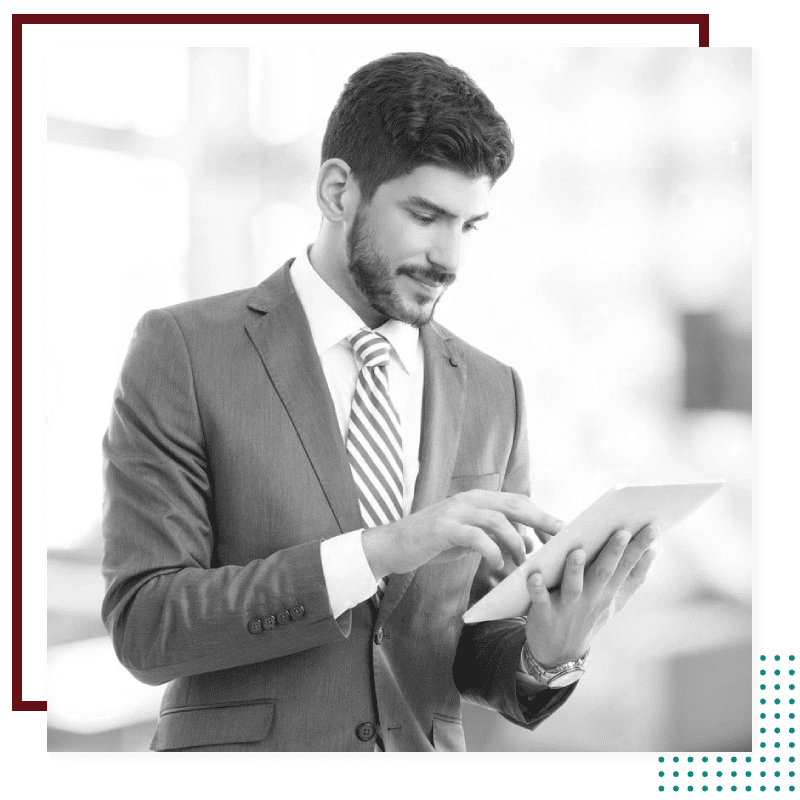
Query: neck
x=328 y=257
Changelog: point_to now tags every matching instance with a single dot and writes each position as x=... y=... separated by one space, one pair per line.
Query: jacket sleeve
x=488 y=653
x=170 y=611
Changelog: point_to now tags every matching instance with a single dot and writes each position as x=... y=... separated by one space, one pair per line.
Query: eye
x=423 y=219
x=469 y=227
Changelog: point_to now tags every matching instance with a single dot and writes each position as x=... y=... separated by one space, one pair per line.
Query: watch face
x=567 y=679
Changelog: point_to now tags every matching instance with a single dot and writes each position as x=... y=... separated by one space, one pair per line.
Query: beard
x=375 y=279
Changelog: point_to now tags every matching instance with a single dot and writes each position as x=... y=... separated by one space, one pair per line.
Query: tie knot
x=370 y=348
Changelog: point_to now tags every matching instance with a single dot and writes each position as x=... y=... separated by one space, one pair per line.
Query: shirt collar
x=332 y=320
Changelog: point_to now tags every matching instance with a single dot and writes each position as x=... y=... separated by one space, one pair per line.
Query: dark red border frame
x=18 y=20
x=701 y=20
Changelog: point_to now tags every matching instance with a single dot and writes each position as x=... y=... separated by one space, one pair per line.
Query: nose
x=445 y=251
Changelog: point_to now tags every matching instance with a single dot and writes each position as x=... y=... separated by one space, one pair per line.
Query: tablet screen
x=624 y=507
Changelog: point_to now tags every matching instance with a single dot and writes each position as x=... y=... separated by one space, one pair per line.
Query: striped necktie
x=374 y=443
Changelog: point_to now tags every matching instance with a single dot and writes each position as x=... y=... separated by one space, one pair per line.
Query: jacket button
x=365 y=731
x=284 y=617
x=255 y=626
x=378 y=637
x=270 y=621
x=297 y=612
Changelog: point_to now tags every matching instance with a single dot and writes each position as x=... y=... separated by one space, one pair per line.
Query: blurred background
x=614 y=274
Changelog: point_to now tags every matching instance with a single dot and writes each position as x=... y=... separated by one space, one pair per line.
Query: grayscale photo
x=414 y=398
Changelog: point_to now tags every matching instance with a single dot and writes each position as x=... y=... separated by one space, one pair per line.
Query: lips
x=431 y=279
x=432 y=284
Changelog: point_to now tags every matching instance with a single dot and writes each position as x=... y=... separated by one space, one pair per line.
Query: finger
x=639 y=572
x=636 y=548
x=517 y=508
x=572 y=582
x=648 y=535
x=543 y=537
x=476 y=539
x=528 y=539
x=635 y=579
x=605 y=565
x=540 y=597
x=501 y=530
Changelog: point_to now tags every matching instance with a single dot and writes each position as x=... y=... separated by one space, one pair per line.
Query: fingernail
x=579 y=557
x=623 y=537
x=501 y=564
x=536 y=579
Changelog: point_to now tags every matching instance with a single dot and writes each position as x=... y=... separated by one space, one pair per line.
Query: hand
x=477 y=520
x=561 y=624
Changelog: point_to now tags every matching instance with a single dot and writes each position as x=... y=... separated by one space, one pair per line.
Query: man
x=309 y=482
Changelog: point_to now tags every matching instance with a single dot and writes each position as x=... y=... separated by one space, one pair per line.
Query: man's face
x=404 y=247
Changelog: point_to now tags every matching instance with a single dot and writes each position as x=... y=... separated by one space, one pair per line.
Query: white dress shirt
x=348 y=577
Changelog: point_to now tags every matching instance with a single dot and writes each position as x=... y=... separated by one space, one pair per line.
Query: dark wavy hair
x=408 y=109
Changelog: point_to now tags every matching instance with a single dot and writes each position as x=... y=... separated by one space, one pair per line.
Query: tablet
x=624 y=507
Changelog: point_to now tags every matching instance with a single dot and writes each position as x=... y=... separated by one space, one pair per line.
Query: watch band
x=553 y=677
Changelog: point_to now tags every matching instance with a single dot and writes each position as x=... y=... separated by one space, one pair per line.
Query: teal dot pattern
x=771 y=767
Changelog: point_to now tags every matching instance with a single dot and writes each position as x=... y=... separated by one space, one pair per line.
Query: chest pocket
x=463 y=483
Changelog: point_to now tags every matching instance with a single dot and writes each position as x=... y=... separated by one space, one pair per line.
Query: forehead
x=462 y=195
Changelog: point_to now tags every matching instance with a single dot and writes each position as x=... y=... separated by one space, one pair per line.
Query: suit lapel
x=442 y=415
x=283 y=340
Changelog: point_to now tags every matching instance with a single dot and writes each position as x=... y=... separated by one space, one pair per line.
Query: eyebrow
x=421 y=202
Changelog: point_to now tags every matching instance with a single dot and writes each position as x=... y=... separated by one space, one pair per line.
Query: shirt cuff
x=348 y=576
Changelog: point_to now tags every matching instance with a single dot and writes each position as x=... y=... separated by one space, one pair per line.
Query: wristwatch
x=552 y=677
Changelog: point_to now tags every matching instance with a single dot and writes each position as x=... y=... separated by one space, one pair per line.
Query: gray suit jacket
x=224 y=469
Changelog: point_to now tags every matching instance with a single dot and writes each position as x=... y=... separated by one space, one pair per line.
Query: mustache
x=432 y=274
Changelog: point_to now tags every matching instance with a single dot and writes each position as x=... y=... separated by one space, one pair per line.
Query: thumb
x=540 y=597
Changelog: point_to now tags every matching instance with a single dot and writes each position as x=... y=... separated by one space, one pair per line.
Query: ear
x=338 y=194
